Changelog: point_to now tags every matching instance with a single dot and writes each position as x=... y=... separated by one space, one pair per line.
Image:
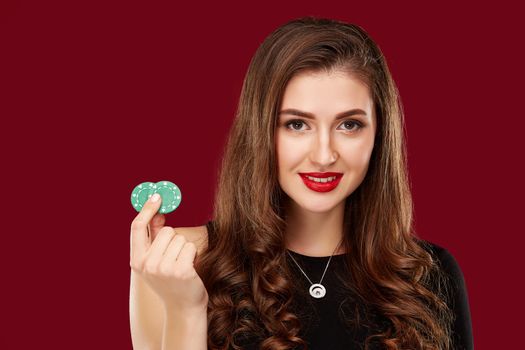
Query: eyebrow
x=308 y=115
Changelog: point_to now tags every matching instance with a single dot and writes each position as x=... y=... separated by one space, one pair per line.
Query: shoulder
x=445 y=259
x=195 y=234
x=457 y=294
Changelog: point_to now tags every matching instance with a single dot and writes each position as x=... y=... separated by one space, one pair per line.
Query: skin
x=322 y=144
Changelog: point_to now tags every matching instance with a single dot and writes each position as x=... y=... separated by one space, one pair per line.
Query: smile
x=317 y=179
x=321 y=182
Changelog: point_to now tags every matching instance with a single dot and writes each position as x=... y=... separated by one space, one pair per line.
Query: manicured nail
x=155 y=197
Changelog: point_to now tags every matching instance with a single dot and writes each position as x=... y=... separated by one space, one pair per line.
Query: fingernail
x=155 y=197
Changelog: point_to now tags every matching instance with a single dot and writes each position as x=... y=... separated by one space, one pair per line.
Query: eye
x=294 y=122
x=298 y=122
x=357 y=124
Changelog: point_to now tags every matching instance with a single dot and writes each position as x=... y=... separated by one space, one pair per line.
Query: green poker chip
x=169 y=192
x=140 y=194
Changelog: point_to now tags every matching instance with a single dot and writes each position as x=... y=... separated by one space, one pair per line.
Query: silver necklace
x=317 y=290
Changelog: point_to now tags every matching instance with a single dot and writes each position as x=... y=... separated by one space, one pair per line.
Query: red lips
x=322 y=175
x=321 y=186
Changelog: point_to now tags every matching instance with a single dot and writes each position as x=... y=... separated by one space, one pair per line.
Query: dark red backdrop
x=97 y=97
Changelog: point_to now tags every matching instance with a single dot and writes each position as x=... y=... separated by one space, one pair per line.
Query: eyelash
x=355 y=122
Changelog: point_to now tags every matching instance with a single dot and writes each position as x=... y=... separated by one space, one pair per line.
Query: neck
x=315 y=233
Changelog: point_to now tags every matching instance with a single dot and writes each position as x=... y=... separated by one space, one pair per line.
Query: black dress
x=324 y=328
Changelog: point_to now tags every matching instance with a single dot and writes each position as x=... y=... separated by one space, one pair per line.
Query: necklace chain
x=326 y=268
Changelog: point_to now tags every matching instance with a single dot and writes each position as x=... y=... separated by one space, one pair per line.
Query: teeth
x=316 y=179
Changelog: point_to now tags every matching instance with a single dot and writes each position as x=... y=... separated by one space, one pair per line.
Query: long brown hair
x=245 y=270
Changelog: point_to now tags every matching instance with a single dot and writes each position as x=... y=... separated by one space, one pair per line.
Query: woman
x=312 y=242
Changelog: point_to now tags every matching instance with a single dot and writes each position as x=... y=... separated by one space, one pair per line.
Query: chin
x=319 y=207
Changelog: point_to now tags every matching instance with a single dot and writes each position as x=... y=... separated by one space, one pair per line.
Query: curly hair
x=245 y=267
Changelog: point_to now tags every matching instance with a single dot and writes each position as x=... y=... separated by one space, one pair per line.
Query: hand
x=165 y=260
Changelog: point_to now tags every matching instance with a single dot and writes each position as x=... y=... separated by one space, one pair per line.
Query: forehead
x=326 y=92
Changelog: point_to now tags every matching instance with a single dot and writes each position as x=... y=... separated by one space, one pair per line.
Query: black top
x=325 y=328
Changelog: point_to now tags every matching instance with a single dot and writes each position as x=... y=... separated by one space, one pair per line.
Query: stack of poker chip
x=169 y=193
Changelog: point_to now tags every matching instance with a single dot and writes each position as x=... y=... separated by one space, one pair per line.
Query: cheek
x=358 y=154
x=289 y=152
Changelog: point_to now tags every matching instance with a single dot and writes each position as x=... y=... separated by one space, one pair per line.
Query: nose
x=323 y=154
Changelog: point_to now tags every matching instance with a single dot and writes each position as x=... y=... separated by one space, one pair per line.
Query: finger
x=157 y=222
x=139 y=241
x=187 y=256
x=173 y=250
x=160 y=244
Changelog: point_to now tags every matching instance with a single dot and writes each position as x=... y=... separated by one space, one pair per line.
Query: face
x=315 y=134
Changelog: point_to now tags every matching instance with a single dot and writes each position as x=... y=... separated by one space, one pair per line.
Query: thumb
x=156 y=223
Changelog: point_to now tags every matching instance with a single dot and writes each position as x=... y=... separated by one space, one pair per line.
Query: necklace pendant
x=317 y=290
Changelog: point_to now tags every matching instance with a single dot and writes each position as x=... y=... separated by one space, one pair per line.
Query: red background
x=97 y=97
